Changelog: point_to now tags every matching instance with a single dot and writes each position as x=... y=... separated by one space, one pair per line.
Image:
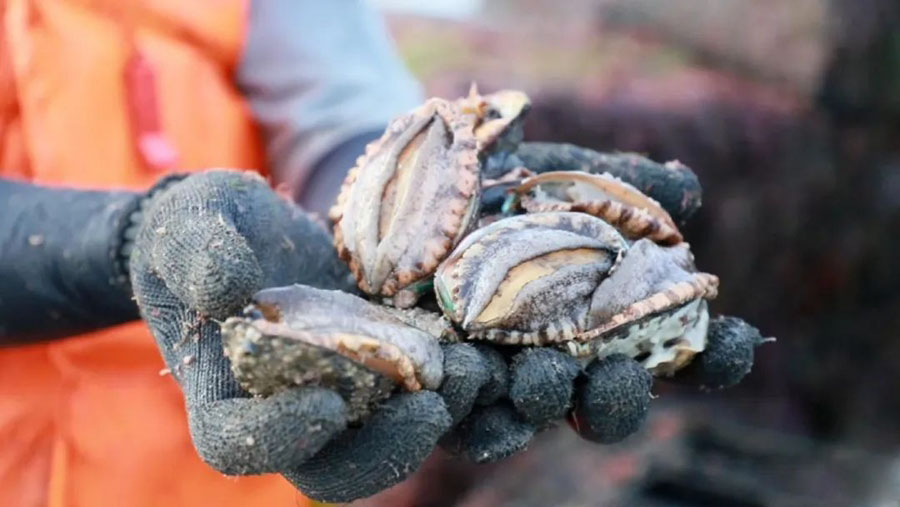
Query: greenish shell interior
x=443 y=296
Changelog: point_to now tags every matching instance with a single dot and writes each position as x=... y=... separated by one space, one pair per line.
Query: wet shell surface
x=603 y=196
x=652 y=308
x=572 y=280
x=528 y=279
x=302 y=336
x=409 y=199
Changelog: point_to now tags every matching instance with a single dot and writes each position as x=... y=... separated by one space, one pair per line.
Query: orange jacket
x=88 y=89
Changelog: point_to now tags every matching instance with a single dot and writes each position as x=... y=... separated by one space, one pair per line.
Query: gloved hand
x=202 y=246
x=608 y=399
x=249 y=239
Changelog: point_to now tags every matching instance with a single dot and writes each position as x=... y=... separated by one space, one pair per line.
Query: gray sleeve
x=317 y=73
x=62 y=261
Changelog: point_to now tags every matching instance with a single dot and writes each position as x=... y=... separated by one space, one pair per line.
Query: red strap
x=157 y=152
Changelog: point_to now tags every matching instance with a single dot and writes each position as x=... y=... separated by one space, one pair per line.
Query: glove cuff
x=128 y=224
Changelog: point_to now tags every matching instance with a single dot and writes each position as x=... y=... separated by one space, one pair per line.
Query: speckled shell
x=300 y=335
x=528 y=279
x=410 y=198
x=603 y=196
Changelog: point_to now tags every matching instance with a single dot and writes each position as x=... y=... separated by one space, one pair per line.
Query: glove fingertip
x=464 y=376
x=222 y=273
x=541 y=385
x=497 y=384
x=612 y=400
x=493 y=433
x=200 y=256
x=391 y=445
x=727 y=357
x=240 y=436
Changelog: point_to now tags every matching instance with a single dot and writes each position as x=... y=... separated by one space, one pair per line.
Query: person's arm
x=62 y=267
x=322 y=79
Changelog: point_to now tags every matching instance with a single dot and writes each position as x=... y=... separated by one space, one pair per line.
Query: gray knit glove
x=604 y=402
x=202 y=246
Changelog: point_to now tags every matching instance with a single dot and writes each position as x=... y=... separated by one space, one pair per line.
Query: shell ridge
x=527 y=245
x=373 y=259
x=390 y=250
x=415 y=263
x=571 y=284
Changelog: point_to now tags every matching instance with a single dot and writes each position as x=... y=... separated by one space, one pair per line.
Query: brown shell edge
x=635 y=222
x=464 y=147
x=703 y=285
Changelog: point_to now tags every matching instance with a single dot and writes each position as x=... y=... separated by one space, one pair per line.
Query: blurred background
x=789 y=113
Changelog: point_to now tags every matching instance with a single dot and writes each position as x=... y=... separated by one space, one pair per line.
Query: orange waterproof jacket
x=112 y=93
